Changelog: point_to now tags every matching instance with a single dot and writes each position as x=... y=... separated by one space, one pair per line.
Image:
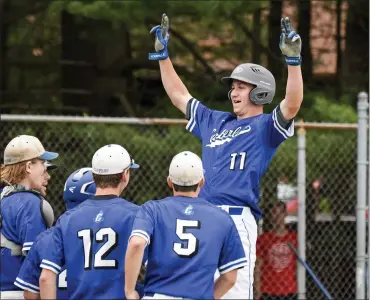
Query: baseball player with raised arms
x=237 y=147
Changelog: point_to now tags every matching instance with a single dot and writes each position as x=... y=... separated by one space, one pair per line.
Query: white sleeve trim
x=193 y=109
x=286 y=133
x=25 y=250
x=25 y=288
x=237 y=266
x=26 y=247
x=142 y=234
x=47 y=264
x=43 y=266
x=232 y=262
x=22 y=282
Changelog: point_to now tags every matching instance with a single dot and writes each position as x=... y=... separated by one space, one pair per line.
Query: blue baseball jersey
x=22 y=221
x=29 y=274
x=91 y=241
x=188 y=240
x=235 y=153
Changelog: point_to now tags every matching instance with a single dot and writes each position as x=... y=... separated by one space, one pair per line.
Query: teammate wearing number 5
x=188 y=239
x=91 y=238
x=237 y=148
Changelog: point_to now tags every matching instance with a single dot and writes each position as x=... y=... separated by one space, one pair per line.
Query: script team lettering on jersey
x=235 y=153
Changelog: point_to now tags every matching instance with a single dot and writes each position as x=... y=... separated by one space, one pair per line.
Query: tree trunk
x=256 y=51
x=338 y=89
x=4 y=26
x=275 y=66
x=304 y=28
x=357 y=44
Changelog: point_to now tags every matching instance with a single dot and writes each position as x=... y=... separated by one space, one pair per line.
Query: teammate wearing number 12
x=92 y=238
x=237 y=148
x=188 y=239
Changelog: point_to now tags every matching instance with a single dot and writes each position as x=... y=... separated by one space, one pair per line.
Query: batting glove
x=161 y=39
x=290 y=43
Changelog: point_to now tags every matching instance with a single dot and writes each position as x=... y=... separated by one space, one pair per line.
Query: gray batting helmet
x=260 y=77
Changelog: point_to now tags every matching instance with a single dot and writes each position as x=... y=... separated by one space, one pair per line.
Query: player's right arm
x=175 y=88
x=172 y=83
x=199 y=116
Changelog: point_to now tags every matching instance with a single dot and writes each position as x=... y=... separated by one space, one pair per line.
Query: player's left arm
x=290 y=46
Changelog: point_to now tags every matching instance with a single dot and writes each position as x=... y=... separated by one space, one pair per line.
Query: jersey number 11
x=234 y=157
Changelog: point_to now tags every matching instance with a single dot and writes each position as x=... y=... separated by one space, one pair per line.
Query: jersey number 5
x=99 y=259
x=242 y=155
x=192 y=243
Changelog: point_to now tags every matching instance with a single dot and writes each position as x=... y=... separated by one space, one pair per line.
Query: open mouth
x=236 y=101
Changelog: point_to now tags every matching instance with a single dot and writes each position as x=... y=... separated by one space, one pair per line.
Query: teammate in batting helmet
x=261 y=78
x=79 y=187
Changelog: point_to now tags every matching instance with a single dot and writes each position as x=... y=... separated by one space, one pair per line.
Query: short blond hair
x=15 y=173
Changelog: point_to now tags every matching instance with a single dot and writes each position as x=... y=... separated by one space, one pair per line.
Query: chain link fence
x=330 y=188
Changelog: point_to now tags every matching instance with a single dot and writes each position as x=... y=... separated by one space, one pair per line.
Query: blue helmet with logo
x=79 y=187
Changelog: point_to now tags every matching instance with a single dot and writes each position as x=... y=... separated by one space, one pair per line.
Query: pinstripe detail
x=249 y=268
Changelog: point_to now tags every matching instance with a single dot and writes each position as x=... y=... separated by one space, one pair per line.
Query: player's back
x=95 y=237
x=185 y=246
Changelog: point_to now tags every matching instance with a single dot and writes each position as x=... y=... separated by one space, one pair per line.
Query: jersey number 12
x=99 y=258
x=234 y=157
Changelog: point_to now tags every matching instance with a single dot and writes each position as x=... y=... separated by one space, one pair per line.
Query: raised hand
x=290 y=43
x=161 y=39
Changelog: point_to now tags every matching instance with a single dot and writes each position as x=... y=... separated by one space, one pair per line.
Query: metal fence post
x=301 y=181
x=368 y=209
x=362 y=107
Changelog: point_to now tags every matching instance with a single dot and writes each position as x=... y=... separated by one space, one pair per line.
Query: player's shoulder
x=67 y=214
x=153 y=205
x=195 y=104
x=24 y=200
x=126 y=204
x=24 y=197
x=42 y=236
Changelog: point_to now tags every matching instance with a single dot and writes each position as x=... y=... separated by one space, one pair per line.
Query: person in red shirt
x=275 y=271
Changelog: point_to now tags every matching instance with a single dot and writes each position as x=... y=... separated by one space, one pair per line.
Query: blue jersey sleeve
x=232 y=254
x=199 y=117
x=29 y=274
x=53 y=259
x=277 y=133
x=30 y=222
x=144 y=223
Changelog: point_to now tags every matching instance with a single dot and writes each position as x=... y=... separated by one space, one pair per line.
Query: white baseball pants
x=247 y=228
